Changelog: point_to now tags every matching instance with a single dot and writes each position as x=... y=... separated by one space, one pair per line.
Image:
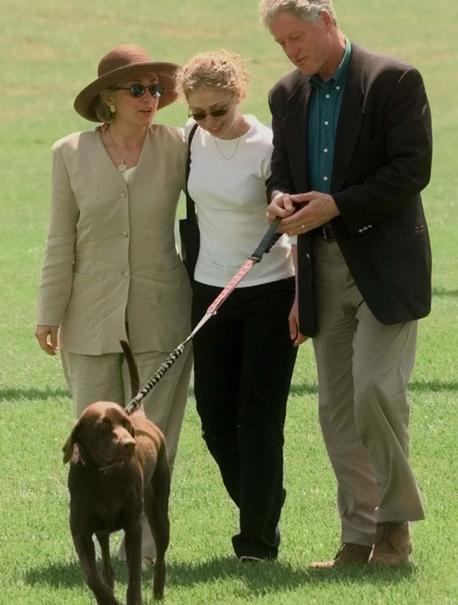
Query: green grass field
x=49 y=52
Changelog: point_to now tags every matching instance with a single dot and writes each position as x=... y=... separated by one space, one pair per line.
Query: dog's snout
x=124 y=442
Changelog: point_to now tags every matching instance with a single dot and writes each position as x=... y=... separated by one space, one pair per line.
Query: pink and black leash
x=269 y=239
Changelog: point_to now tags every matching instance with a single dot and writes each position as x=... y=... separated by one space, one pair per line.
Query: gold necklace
x=122 y=166
x=228 y=157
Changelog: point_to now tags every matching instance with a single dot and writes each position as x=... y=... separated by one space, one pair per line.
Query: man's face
x=306 y=44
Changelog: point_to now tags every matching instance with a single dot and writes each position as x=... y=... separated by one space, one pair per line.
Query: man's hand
x=317 y=209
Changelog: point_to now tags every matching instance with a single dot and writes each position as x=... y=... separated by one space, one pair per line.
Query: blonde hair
x=220 y=69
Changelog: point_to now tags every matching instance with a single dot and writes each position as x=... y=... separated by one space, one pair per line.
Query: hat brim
x=86 y=101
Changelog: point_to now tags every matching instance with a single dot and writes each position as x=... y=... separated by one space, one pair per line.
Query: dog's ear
x=72 y=454
x=71 y=450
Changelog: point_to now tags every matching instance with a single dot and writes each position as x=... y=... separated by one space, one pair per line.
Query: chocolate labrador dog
x=118 y=469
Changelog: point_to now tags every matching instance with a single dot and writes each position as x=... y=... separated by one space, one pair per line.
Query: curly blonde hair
x=218 y=69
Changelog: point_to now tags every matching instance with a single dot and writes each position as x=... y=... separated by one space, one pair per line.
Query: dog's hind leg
x=84 y=547
x=107 y=573
x=156 y=509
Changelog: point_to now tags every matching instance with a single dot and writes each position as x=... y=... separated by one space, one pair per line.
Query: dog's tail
x=133 y=370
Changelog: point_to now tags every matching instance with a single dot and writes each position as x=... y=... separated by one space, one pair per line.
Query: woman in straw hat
x=111 y=271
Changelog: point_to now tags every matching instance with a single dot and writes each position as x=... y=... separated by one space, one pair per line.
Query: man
x=352 y=151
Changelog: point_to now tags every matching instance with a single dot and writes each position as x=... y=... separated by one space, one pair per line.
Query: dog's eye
x=105 y=425
x=128 y=426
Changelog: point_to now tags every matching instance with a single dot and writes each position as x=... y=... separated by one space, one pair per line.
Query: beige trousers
x=363 y=370
x=105 y=377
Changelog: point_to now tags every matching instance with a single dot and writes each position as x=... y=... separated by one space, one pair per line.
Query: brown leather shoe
x=348 y=554
x=392 y=544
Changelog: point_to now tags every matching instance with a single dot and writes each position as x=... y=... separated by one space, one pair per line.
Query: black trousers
x=243 y=364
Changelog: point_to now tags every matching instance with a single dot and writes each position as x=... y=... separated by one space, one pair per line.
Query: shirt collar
x=341 y=72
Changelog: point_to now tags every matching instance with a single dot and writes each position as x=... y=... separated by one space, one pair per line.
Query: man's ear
x=326 y=18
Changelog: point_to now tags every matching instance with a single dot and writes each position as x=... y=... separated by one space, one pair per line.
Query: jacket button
x=125 y=233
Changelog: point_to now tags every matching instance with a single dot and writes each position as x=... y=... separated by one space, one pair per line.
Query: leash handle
x=270 y=238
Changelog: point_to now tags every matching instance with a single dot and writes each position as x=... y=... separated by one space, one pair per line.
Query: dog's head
x=103 y=435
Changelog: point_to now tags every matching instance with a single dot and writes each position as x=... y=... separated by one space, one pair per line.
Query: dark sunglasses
x=138 y=90
x=198 y=116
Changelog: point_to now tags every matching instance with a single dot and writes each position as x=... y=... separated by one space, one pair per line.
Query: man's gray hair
x=308 y=10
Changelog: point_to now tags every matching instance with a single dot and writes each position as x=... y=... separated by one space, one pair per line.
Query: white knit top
x=227 y=184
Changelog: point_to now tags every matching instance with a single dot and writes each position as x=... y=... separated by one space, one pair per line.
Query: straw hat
x=125 y=62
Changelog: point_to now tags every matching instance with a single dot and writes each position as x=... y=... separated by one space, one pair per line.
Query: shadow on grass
x=436 y=386
x=303 y=389
x=55 y=574
x=6 y=394
x=68 y=574
x=258 y=578
x=261 y=578
x=442 y=292
x=32 y=393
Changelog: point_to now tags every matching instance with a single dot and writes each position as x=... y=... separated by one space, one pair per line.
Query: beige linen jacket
x=110 y=255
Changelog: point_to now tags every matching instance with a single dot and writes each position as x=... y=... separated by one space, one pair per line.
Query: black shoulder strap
x=190 y=209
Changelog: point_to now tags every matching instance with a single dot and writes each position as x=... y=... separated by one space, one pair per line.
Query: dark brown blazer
x=382 y=161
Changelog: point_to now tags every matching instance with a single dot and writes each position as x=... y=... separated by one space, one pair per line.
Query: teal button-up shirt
x=325 y=103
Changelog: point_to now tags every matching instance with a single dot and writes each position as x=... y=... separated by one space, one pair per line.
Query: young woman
x=111 y=270
x=244 y=357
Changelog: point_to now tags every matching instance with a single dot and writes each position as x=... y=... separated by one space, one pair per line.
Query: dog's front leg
x=134 y=563
x=108 y=574
x=86 y=553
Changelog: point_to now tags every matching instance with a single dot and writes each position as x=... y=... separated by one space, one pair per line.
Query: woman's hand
x=293 y=320
x=281 y=206
x=47 y=338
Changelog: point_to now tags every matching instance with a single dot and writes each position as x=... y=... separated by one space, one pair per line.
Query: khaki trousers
x=106 y=378
x=363 y=370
